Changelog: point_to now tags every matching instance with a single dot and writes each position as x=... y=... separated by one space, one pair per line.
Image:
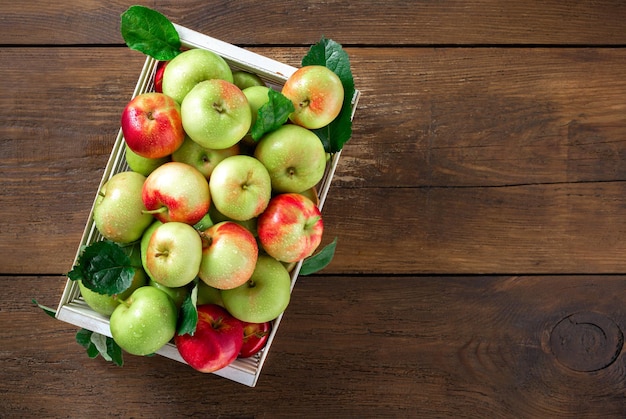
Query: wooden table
x=480 y=211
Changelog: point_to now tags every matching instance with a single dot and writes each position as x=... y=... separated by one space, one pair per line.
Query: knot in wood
x=586 y=341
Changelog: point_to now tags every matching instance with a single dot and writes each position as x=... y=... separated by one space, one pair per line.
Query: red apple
x=152 y=125
x=176 y=191
x=158 y=76
x=290 y=228
x=317 y=95
x=229 y=255
x=216 y=342
x=255 y=336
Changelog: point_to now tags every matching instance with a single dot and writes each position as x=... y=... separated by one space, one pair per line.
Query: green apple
x=119 y=210
x=216 y=114
x=257 y=96
x=229 y=255
x=142 y=165
x=243 y=79
x=144 y=322
x=174 y=254
x=205 y=222
x=240 y=187
x=317 y=96
x=177 y=294
x=104 y=303
x=294 y=157
x=202 y=158
x=264 y=297
x=208 y=295
x=190 y=68
x=145 y=240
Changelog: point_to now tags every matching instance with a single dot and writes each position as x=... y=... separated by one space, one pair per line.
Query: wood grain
x=479 y=164
x=368 y=22
x=479 y=209
x=347 y=347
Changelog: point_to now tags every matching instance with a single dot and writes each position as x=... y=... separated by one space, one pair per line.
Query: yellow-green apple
x=144 y=322
x=317 y=96
x=208 y=295
x=291 y=227
x=119 y=210
x=202 y=158
x=176 y=191
x=174 y=254
x=229 y=255
x=240 y=187
x=104 y=303
x=255 y=336
x=152 y=125
x=244 y=79
x=177 y=294
x=294 y=157
x=216 y=341
x=216 y=114
x=191 y=67
x=264 y=296
x=158 y=76
x=140 y=164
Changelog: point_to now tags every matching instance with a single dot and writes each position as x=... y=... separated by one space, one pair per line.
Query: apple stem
x=100 y=193
x=207 y=240
x=154 y=211
x=125 y=302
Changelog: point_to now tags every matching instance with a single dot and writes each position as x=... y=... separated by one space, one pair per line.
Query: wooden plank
x=367 y=346
x=536 y=189
x=487 y=117
x=402 y=23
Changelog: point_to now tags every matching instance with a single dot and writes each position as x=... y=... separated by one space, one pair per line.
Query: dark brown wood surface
x=480 y=211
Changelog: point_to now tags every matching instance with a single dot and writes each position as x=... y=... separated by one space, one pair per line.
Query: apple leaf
x=272 y=115
x=50 y=312
x=189 y=313
x=150 y=32
x=97 y=344
x=331 y=55
x=104 y=267
x=320 y=260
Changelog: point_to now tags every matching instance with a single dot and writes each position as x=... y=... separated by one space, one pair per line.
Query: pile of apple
x=205 y=204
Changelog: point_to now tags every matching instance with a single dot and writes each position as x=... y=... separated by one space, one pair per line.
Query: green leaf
x=104 y=267
x=97 y=344
x=330 y=54
x=320 y=260
x=100 y=342
x=115 y=352
x=150 y=32
x=272 y=115
x=189 y=313
x=50 y=312
x=83 y=338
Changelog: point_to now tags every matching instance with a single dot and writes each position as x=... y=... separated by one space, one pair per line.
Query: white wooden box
x=73 y=309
